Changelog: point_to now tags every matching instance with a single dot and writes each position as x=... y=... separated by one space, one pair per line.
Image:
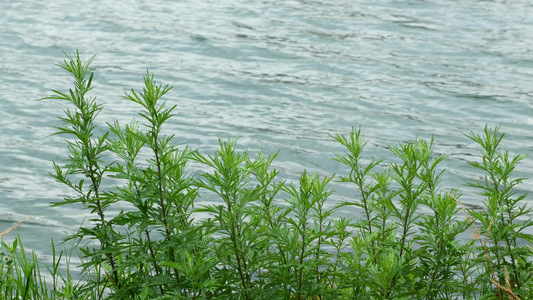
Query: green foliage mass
x=264 y=238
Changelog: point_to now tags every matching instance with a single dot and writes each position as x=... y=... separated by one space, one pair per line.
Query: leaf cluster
x=261 y=238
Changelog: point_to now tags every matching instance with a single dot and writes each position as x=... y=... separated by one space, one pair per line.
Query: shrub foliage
x=265 y=238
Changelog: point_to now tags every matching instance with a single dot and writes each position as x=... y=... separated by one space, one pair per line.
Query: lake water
x=278 y=74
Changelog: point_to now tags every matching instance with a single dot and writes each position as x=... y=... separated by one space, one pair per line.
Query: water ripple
x=280 y=75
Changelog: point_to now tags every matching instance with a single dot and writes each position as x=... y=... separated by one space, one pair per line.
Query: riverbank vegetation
x=265 y=238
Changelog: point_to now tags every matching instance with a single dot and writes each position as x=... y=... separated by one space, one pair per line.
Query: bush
x=266 y=239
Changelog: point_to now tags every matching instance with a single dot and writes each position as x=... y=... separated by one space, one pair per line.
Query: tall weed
x=262 y=238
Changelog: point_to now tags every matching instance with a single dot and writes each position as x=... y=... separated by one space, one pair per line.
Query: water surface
x=278 y=74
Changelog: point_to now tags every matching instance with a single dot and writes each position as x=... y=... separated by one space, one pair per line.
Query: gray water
x=278 y=74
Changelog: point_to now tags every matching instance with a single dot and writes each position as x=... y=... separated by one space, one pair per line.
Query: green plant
x=240 y=245
x=261 y=238
x=504 y=221
x=84 y=173
x=21 y=277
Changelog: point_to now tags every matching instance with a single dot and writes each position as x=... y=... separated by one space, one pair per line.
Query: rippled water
x=278 y=74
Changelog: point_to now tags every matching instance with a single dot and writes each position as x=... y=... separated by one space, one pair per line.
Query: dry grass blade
x=507 y=283
x=13 y=227
x=508 y=291
x=477 y=236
